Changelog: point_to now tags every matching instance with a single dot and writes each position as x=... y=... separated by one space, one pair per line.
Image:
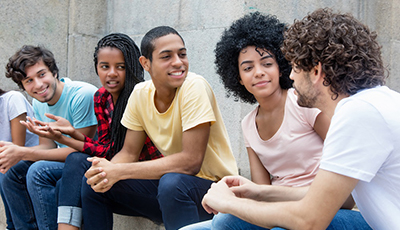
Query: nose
x=38 y=83
x=259 y=72
x=291 y=75
x=177 y=62
x=112 y=72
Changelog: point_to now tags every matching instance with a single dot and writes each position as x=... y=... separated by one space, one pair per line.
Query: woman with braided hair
x=116 y=60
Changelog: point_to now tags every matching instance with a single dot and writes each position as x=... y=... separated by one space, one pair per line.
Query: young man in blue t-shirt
x=31 y=173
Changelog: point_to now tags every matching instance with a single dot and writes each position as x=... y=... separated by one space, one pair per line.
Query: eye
x=247 y=68
x=104 y=67
x=122 y=67
x=182 y=55
x=42 y=74
x=165 y=57
x=27 y=81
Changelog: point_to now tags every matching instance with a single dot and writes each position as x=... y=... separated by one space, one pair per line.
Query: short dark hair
x=348 y=51
x=254 y=29
x=28 y=56
x=147 y=45
x=133 y=75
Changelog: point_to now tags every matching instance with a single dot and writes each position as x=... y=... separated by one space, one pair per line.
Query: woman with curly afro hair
x=284 y=141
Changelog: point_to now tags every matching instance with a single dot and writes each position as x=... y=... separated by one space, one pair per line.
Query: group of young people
x=323 y=134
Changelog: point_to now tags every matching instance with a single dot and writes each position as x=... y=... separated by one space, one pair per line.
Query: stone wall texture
x=71 y=29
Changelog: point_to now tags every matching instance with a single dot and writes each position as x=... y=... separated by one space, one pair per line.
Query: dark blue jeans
x=29 y=190
x=69 y=189
x=9 y=222
x=175 y=200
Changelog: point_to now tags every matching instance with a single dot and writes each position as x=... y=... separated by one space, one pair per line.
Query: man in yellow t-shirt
x=179 y=112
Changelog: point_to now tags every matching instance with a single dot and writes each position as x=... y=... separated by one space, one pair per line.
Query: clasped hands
x=226 y=191
x=102 y=175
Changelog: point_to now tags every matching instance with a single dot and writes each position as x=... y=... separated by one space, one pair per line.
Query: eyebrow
x=105 y=62
x=169 y=51
x=245 y=62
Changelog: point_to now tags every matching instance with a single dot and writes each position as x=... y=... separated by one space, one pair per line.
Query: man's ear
x=317 y=73
x=145 y=63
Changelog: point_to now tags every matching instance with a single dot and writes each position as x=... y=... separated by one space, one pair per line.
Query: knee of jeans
x=169 y=184
x=221 y=221
x=76 y=157
x=38 y=173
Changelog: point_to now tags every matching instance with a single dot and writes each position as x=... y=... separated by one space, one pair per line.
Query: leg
x=9 y=223
x=127 y=197
x=180 y=198
x=348 y=220
x=204 y=225
x=69 y=190
x=42 y=177
x=231 y=222
x=17 y=197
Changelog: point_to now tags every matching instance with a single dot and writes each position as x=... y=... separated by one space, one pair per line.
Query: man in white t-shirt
x=337 y=67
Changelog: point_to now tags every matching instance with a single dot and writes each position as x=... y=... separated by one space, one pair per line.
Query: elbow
x=192 y=168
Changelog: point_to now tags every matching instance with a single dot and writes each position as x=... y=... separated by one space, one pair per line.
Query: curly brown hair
x=348 y=51
x=28 y=56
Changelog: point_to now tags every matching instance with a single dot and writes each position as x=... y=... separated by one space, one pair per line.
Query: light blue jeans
x=343 y=220
x=29 y=190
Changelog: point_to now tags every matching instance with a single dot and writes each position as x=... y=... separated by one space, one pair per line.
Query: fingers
x=51 y=116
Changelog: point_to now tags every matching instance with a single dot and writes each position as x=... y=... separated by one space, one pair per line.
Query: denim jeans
x=69 y=189
x=343 y=220
x=29 y=190
x=9 y=223
x=175 y=199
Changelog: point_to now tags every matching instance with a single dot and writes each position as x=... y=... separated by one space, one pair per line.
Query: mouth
x=261 y=83
x=112 y=84
x=40 y=93
x=178 y=74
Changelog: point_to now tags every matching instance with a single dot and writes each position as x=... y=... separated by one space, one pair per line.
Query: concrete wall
x=72 y=28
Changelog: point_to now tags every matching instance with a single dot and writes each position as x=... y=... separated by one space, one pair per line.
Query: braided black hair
x=133 y=75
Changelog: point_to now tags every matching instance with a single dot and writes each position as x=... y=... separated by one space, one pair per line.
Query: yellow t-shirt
x=194 y=104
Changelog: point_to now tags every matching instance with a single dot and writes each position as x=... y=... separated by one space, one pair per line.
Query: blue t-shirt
x=75 y=105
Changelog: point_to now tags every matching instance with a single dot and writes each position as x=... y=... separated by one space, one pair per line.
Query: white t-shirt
x=13 y=104
x=293 y=154
x=363 y=142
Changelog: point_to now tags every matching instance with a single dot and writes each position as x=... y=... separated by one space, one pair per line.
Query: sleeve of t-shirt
x=130 y=118
x=196 y=104
x=83 y=108
x=358 y=141
x=16 y=105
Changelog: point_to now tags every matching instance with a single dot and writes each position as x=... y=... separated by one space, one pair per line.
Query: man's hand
x=51 y=130
x=217 y=198
x=10 y=155
x=243 y=187
x=101 y=176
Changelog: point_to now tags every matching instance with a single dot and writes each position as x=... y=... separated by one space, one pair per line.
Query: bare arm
x=54 y=131
x=18 y=131
x=188 y=161
x=315 y=211
x=259 y=174
x=321 y=125
x=46 y=150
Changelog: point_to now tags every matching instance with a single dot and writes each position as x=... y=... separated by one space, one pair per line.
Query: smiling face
x=41 y=84
x=111 y=70
x=169 y=65
x=259 y=71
